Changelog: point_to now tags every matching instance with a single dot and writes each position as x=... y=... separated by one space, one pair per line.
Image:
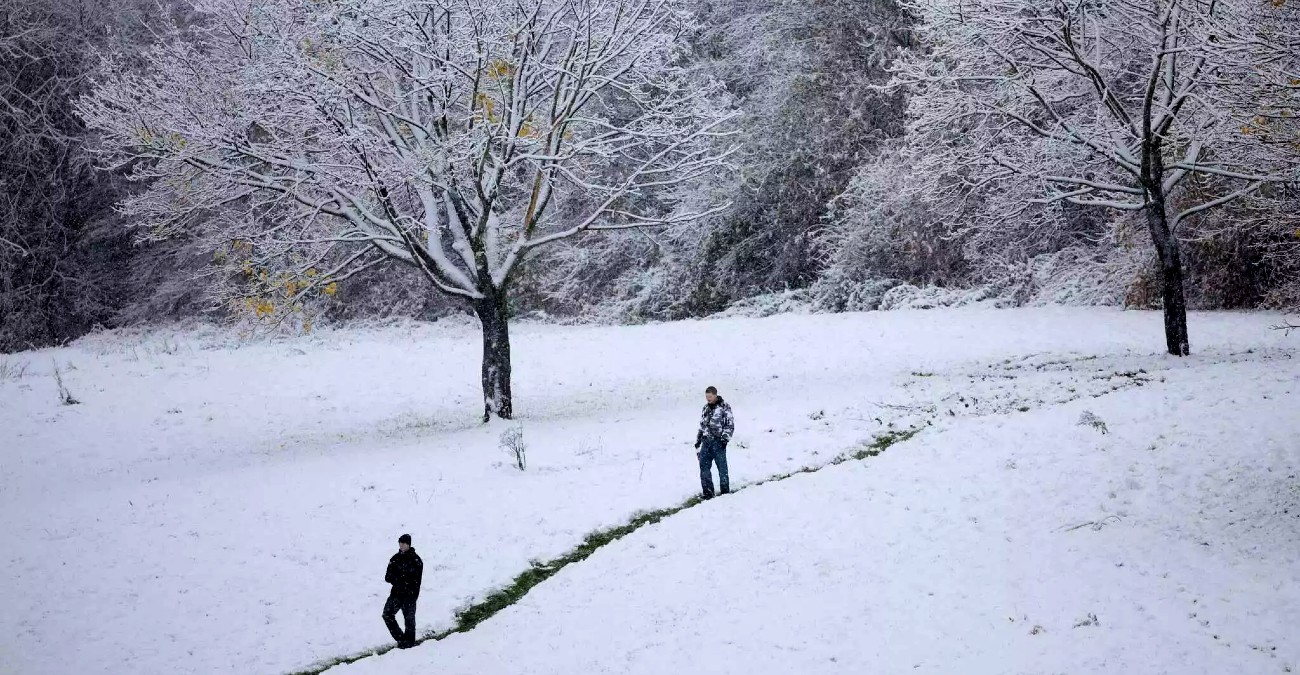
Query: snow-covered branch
x=1170 y=109
x=441 y=133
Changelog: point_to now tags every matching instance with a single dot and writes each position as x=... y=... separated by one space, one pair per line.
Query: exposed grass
x=475 y=614
x=882 y=442
x=12 y=369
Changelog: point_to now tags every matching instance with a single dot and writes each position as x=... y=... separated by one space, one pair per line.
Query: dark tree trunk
x=1171 y=261
x=491 y=312
x=1171 y=278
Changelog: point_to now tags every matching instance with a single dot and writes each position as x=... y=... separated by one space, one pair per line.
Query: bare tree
x=1168 y=108
x=454 y=136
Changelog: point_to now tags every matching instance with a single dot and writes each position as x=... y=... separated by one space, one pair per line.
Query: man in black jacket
x=405 y=569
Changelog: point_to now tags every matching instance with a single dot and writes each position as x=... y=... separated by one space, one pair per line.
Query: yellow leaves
x=488 y=105
x=281 y=298
x=1279 y=3
x=165 y=142
x=500 y=69
x=260 y=306
x=1255 y=126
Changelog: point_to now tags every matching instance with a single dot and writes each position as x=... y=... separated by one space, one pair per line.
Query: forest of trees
x=288 y=162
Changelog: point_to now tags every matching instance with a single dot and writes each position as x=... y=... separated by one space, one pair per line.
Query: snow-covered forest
x=1004 y=295
x=183 y=160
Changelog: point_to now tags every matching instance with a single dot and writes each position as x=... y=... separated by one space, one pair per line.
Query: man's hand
x=697 y=444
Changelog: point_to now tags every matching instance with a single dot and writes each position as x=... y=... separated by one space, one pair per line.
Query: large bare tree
x=454 y=136
x=1167 y=108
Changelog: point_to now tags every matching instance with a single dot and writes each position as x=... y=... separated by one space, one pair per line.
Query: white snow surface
x=213 y=507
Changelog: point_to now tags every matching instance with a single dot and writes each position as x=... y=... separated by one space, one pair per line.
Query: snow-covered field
x=214 y=508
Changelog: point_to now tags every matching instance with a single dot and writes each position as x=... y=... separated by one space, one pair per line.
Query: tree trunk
x=1171 y=278
x=491 y=313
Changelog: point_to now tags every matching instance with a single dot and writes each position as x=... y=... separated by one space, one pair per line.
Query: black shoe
x=405 y=645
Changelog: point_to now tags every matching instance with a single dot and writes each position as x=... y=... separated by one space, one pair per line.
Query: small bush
x=1090 y=419
x=512 y=440
x=65 y=396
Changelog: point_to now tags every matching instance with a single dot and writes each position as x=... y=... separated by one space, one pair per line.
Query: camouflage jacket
x=717 y=422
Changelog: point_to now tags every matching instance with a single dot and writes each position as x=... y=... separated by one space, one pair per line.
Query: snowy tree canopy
x=1169 y=109
x=439 y=134
x=343 y=135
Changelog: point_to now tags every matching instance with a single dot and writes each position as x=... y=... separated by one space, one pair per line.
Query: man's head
x=404 y=543
x=711 y=394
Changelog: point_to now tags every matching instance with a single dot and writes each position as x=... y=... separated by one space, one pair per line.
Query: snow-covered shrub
x=1083 y=276
x=1090 y=419
x=512 y=441
x=836 y=291
x=770 y=304
x=907 y=296
x=622 y=278
x=890 y=224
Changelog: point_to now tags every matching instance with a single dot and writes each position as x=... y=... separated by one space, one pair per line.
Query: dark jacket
x=716 y=422
x=405 y=571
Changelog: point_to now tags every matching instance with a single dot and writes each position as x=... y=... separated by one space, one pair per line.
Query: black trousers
x=407 y=606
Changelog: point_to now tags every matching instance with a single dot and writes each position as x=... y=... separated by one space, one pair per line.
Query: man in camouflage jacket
x=716 y=427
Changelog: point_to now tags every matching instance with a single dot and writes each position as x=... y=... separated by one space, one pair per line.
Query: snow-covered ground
x=1006 y=544
x=212 y=508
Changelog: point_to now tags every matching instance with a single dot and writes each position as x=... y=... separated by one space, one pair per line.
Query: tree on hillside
x=1167 y=109
x=318 y=139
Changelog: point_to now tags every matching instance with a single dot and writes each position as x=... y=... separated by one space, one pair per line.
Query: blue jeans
x=713 y=450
